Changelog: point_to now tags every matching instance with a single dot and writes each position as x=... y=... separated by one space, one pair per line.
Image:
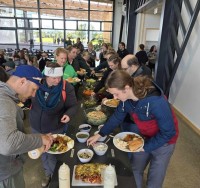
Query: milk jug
x=109 y=177
x=64 y=176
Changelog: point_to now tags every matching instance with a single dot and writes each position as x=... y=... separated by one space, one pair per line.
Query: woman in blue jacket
x=156 y=122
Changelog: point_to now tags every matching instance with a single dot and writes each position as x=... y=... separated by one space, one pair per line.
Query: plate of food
x=90 y=174
x=73 y=80
x=61 y=144
x=128 y=142
x=113 y=103
x=83 y=71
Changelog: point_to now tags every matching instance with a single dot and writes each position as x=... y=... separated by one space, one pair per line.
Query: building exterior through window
x=46 y=24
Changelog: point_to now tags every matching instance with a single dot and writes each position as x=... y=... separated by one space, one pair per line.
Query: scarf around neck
x=53 y=96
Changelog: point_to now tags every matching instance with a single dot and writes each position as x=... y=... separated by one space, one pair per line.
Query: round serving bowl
x=95 y=117
x=85 y=155
x=90 y=83
x=84 y=128
x=90 y=103
x=101 y=139
x=100 y=148
x=82 y=136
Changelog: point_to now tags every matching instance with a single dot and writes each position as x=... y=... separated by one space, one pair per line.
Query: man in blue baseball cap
x=19 y=87
x=30 y=78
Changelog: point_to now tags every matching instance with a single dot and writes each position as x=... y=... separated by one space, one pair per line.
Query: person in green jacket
x=61 y=59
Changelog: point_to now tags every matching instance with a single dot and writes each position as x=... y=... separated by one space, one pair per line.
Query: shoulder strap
x=64 y=90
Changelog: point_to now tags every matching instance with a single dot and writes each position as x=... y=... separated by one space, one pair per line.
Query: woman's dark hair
x=105 y=45
x=70 y=47
x=3 y=75
x=152 y=48
x=119 y=79
x=141 y=46
x=123 y=44
x=115 y=59
x=111 y=52
x=141 y=85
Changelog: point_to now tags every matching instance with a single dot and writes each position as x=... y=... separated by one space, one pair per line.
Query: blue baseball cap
x=30 y=73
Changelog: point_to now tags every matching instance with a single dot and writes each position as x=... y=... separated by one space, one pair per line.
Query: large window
x=55 y=22
x=24 y=37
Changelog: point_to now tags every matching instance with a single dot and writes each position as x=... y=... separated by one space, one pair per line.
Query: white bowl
x=87 y=155
x=101 y=139
x=100 y=126
x=100 y=148
x=85 y=128
x=82 y=136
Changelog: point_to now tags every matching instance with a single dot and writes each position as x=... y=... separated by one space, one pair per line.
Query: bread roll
x=135 y=144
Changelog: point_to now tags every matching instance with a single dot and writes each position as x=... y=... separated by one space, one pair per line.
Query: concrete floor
x=183 y=171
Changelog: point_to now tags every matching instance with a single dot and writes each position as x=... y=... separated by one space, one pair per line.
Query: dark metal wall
x=131 y=4
x=131 y=23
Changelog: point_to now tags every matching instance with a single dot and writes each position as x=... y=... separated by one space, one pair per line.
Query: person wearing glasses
x=22 y=85
x=52 y=108
x=131 y=65
x=156 y=121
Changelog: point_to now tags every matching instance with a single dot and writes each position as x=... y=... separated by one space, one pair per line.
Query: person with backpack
x=52 y=108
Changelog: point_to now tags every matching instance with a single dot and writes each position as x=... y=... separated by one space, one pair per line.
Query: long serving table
x=113 y=156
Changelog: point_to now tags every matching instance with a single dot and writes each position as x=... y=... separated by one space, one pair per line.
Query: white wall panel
x=185 y=90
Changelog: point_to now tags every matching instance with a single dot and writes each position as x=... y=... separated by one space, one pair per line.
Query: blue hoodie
x=154 y=118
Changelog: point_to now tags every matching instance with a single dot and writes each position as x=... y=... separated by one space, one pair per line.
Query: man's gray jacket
x=13 y=141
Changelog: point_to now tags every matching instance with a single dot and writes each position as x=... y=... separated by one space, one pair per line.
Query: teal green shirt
x=69 y=71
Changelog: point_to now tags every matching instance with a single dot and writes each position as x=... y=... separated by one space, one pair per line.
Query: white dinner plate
x=75 y=80
x=121 y=136
x=69 y=146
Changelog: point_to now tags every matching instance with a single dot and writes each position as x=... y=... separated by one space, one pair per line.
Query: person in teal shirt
x=69 y=71
x=61 y=59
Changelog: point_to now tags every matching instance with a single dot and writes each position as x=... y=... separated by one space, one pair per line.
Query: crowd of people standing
x=143 y=108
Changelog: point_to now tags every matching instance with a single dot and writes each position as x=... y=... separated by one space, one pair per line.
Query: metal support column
x=130 y=7
x=166 y=46
x=40 y=24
